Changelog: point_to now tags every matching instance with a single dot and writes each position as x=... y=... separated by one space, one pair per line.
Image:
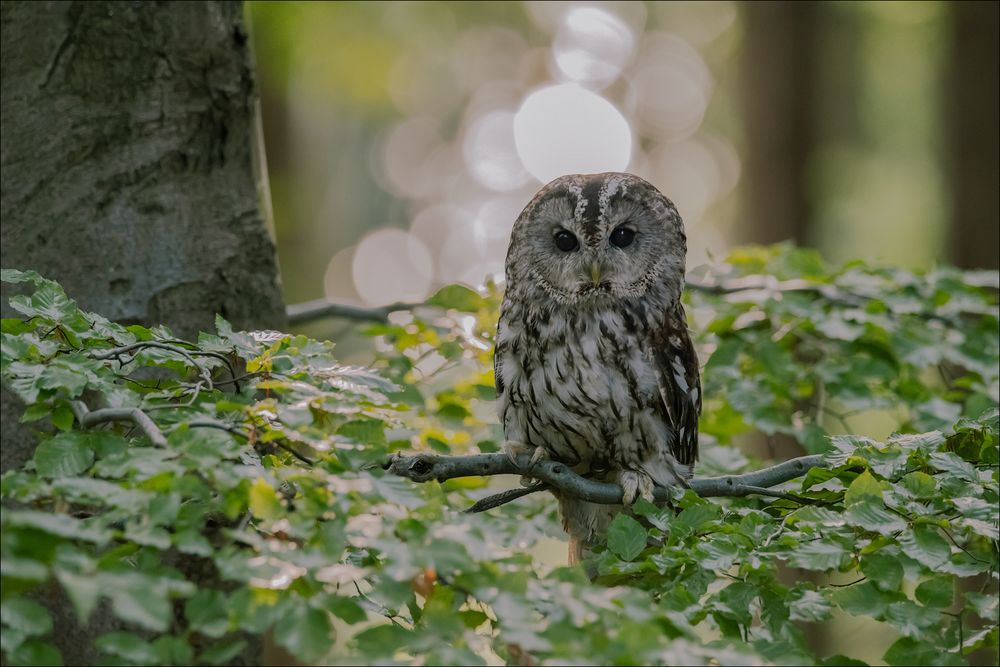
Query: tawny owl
x=594 y=366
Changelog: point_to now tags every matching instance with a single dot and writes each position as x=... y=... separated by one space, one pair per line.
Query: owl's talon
x=636 y=485
x=540 y=454
x=513 y=449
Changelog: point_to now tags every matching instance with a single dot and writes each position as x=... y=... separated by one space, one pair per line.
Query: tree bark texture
x=127 y=161
x=126 y=149
x=972 y=106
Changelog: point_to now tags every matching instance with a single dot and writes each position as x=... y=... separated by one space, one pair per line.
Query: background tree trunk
x=972 y=99
x=128 y=176
x=778 y=80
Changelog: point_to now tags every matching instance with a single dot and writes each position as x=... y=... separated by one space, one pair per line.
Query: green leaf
x=26 y=569
x=883 y=569
x=62 y=417
x=206 y=611
x=264 y=500
x=626 y=537
x=810 y=606
x=912 y=619
x=458 y=297
x=138 y=600
x=937 y=591
x=36 y=652
x=864 y=488
x=871 y=514
x=305 y=632
x=346 y=609
x=56 y=524
x=128 y=646
x=83 y=591
x=926 y=546
x=25 y=616
x=862 y=599
x=909 y=651
x=222 y=653
x=819 y=554
x=173 y=650
x=920 y=484
x=65 y=455
x=985 y=606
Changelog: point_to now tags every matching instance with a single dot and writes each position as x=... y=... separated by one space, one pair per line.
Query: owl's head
x=596 y=239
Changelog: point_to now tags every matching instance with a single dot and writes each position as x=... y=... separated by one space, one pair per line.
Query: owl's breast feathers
x=615 y=388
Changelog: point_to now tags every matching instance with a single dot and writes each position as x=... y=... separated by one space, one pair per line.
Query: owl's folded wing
x=680 y=385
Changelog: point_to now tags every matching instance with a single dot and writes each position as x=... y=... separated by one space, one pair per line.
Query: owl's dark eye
x=565 y=241
x=622 y=237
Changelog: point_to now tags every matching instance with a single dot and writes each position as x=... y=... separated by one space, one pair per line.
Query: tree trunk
x=128 y=176
x=972 y=98
x=778 y=72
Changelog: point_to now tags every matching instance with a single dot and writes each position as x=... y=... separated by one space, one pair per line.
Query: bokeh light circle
x=490 y=152
x=566 y=129
x=592 y=46
x=392 y=265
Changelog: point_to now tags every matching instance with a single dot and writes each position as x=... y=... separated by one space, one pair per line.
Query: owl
x=593 y=363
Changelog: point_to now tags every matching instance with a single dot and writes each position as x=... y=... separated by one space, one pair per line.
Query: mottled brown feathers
x=593 y=360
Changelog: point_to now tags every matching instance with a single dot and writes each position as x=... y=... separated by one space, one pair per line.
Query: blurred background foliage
x=864 y=129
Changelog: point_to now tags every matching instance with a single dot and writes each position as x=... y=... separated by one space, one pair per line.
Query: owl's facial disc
x=595 y=240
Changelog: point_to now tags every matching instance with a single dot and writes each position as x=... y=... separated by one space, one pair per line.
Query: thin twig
x=87 y=418
x=301 y=457
x=425 y=467
x=125 y=349
x=210 y=353
x=195 y=391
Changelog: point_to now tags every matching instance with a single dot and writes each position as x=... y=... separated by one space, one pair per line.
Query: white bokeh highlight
x=392 y=265
x=490 y=153
x=592 y=46
x=567 y=129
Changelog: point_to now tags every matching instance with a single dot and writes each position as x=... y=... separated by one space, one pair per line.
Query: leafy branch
x=309 y=311
x=557 y=476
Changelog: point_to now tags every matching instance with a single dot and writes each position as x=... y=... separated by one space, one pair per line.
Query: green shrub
x=254 y=501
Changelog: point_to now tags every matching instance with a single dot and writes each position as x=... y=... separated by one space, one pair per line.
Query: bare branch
x=557 y=476
x=87 y=418
x=299 y=313
x=115 y=352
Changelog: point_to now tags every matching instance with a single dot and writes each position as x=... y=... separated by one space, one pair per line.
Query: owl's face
x=596 y=239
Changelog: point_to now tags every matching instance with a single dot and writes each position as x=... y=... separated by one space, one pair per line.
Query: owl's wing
x=680 y=385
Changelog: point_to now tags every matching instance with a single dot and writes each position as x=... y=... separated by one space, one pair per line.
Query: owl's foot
x=636 y=485
x=513 y=449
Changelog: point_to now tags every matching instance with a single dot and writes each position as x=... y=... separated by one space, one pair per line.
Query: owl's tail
x=575 y=551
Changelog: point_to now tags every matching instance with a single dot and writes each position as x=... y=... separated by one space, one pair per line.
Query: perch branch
x=87 y=418
x=558 y=476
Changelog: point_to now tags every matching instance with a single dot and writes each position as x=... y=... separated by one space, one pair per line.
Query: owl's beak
x=595 y=272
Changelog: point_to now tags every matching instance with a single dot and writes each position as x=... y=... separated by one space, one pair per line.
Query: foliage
x=267 y=510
